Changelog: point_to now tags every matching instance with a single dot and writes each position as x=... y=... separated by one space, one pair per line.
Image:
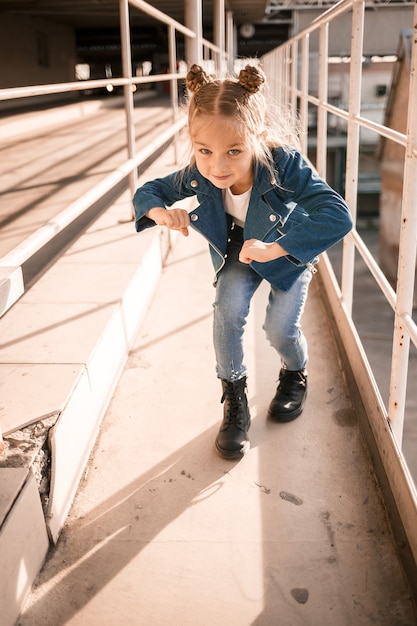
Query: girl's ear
x=264 y=134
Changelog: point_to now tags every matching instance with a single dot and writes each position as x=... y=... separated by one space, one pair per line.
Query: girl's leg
x=283 y=329
x=236 y=284
x=283 y=323
x=235 y=287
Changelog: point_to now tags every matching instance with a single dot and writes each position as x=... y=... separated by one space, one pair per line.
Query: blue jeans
x=236 y=284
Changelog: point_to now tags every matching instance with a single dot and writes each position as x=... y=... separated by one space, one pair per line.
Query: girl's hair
x=243 y=100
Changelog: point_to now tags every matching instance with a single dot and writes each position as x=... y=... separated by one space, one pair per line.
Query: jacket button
x=194 y=183
x=272 y=218
x=194 y=217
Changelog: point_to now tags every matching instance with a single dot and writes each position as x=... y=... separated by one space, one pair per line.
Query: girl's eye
x=234 y=152
x=205 y=151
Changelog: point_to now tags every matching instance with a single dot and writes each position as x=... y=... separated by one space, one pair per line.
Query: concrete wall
x=35 y=51
x=382 y=29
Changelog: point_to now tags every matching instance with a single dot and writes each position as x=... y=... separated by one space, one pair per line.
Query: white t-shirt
x=237 y=205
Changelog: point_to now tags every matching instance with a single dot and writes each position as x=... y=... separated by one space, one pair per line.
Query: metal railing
x=12 y=285
x=11 y=263
x=287 y=69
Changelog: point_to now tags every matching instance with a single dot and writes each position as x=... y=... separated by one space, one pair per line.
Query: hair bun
x=196 y=78
x=251 y=78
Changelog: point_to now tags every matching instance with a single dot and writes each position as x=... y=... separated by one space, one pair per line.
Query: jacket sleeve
x=161 y=192
x=325 y=217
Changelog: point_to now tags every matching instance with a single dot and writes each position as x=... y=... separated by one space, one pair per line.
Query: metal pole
x=230 y=42
x=194 y=21
x=294 y=77
x=321 y=157
x=127 y=89
x=173 y=83
x=352 y=151
x=219 y=34
x=304 y=91
x=286 y=74
x=406 y=259
x=162 y=17
x=282 y=74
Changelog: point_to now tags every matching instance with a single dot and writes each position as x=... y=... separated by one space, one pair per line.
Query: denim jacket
x=295 y=208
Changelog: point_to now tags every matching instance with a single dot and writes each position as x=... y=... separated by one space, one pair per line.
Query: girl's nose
x=219 y=163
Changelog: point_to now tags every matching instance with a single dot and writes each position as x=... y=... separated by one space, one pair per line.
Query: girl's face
x=222 y=154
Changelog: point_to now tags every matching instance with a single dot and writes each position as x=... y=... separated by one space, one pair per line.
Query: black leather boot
x=231 y=441
x=289 y=399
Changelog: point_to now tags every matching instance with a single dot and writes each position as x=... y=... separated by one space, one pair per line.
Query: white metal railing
x=287 y=69
x=12 y=262
x=12 y=285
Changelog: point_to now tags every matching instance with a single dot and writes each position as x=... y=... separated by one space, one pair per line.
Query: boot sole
x=285 y=417
x=231 y=455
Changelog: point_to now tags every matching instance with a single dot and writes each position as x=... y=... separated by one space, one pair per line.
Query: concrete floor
x=165 y=532
x=76 y=147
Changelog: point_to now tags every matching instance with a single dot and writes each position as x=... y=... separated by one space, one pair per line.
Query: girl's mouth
x=220 y=178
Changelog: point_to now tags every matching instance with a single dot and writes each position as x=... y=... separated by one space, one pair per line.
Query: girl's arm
x=256 y=250
x=152 y=198
x=327 y=218
x=175 y=219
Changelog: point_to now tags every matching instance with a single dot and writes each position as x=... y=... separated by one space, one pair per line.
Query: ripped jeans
x=236 y=284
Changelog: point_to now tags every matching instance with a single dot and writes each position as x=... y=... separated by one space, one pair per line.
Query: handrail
x=12 y=285
x=290 y=86
x=161 y=17
x=81 y=85
x=44 y=234
x=15 y=286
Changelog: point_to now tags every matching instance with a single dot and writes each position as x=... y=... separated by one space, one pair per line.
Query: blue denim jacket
x=295 y=207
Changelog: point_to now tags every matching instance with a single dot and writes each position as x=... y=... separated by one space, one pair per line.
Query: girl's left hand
x=256 y=250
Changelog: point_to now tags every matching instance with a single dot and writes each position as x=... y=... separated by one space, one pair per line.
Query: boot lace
x=234 y=414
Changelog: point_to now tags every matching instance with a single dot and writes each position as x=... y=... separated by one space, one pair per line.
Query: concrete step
x=64 y=346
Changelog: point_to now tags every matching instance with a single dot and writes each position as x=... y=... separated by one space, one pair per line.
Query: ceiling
x=105 y=13
x=96 y=23
x=97 y=27
x=89 y=13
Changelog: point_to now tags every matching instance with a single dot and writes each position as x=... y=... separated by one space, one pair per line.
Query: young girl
x=266 y=216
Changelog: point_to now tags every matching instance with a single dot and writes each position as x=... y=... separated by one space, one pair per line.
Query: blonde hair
x=243 y=100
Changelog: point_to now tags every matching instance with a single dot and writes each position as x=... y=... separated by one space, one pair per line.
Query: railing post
x=406 y=258
x=173 y=83
x=294 y=76
x=193 y=20
x=304 y=91
x=219 y=34
x=230 y=41
x=321 y=157
x=286 y=74
x=127 y=89
x=279 y=82
x=352 y=151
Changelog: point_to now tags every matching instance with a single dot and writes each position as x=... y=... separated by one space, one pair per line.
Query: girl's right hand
x=175 y=219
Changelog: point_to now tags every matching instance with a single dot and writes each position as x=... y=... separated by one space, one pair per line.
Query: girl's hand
x=175 y=219
x=256 y=250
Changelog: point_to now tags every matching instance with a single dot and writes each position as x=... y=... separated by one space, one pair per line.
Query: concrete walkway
x=164 y=532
